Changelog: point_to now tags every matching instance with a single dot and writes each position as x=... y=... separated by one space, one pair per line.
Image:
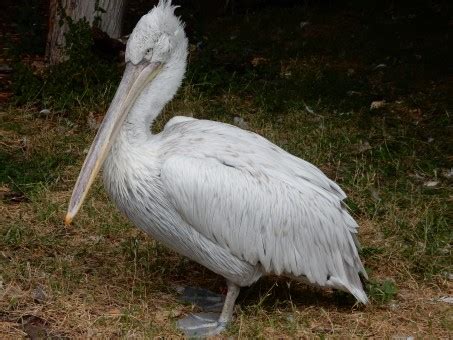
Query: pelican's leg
x=228 y=307
x=206 y=324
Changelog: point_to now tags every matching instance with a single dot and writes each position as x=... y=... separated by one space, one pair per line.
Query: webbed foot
x=201 y=324
x=203 y=298
x=208 y=324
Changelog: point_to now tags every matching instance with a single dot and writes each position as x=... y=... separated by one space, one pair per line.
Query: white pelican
x=224 y=197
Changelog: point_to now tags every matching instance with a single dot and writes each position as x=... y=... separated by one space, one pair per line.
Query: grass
x=101 y=277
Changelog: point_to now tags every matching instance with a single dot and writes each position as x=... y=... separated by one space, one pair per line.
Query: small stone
x=44 y=111
x=431 y=184
x=39 y=294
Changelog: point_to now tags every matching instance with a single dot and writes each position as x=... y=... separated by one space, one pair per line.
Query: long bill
x=134 y=80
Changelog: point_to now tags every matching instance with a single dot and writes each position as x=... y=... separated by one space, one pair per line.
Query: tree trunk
x=111 y=21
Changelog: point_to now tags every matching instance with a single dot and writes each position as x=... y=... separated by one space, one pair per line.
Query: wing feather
x=286 y=230
x=264 y=205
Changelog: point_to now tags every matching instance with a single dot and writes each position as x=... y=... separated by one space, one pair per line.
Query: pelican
x=224 y=197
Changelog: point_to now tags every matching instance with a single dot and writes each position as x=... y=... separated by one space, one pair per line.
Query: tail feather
x=351 y=282
x=355 y=288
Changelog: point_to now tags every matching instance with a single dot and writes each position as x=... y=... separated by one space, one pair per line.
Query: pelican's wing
x=296 y=227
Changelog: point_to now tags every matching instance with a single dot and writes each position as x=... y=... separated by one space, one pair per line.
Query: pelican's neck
x=154 y=97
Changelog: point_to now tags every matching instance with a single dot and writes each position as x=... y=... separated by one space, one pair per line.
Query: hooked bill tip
x=68 y=219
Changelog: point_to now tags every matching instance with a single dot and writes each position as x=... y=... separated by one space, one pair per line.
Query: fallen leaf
x=94 y=121
x=114 y=312
x=259 y=61
x=377 y=104
x=380 y=66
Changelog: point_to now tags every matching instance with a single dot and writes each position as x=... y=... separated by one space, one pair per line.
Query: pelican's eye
x=148 y=53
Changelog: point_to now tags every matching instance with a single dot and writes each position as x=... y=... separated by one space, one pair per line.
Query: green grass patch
x=381 y=292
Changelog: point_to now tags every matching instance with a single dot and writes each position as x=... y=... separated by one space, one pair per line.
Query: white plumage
x=222 y=196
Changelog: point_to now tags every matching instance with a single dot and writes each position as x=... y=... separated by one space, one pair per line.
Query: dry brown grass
x=102 y=292
x=103 y=278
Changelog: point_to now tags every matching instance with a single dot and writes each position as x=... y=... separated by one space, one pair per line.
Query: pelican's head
x=157 y=39
x=156 y=36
